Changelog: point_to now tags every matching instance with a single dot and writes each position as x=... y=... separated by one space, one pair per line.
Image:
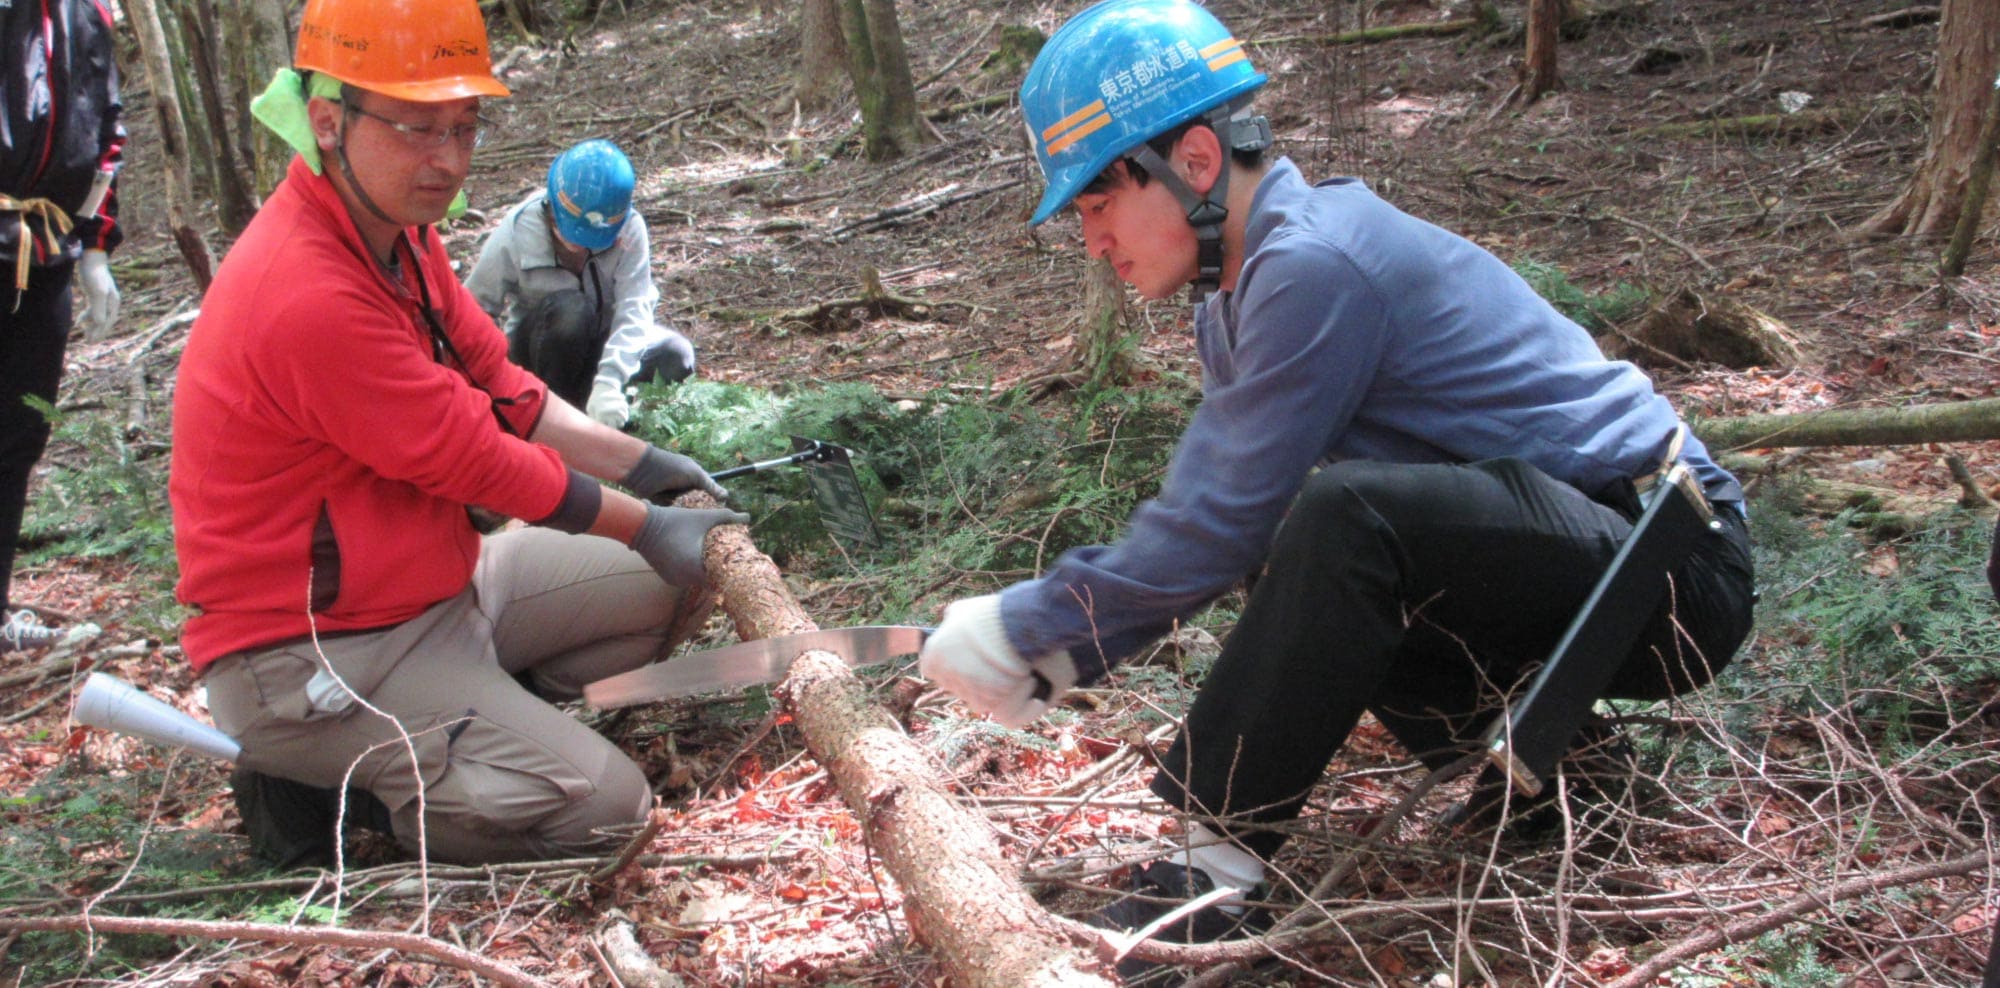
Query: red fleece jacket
x=322 y=452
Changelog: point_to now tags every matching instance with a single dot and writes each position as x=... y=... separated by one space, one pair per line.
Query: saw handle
x=812 y=454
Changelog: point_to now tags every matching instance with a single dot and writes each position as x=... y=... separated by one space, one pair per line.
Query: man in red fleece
x=341 y=402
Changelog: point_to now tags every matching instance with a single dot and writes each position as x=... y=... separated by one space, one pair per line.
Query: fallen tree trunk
x=1961 y=421
x=1756 y=125
x=962 y=898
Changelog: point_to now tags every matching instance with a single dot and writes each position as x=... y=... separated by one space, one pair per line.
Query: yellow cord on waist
x=55 y=226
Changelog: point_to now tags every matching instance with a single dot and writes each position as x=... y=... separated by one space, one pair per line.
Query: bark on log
x=1963 y=421
x=962 y=898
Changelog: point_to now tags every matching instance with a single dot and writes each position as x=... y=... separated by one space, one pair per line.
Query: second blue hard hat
x=590 y=193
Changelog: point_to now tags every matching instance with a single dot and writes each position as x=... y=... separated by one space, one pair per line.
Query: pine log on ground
x=962 y=898
x=1757 y=125
x=1961 y=421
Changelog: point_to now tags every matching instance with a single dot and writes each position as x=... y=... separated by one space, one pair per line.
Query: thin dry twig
x=444 y=953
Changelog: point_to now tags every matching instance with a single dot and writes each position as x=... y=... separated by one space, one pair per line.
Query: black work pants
x=34 y=329
x=561 y=340
x=1424 y=594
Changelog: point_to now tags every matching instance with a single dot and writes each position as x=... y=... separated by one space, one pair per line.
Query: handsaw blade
x=765 y=660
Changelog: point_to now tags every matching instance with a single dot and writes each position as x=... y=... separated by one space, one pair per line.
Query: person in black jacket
x=60 y=145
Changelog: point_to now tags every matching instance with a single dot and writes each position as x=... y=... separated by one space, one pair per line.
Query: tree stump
x=1696 y=328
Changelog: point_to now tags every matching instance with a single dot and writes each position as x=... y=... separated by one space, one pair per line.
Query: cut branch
x=1803 y=904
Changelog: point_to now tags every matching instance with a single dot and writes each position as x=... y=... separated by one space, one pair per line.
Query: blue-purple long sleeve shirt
x=1354 y=331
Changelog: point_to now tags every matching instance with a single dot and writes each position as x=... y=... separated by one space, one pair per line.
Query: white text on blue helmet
x=1147 y=70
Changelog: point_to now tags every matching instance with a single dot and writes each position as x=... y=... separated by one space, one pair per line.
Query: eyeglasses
x=424 y=137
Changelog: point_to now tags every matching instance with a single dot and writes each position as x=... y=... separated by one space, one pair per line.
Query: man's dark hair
x=1163 y=145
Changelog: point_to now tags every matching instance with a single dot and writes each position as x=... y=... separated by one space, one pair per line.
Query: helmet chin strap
x=1207 y=213
x=1204 y=213
x=340 y=155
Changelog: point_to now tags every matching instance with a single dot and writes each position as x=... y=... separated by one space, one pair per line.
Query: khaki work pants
x=505 y=776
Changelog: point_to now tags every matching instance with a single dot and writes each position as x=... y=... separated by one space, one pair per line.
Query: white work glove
x=969 y=656
x=100 y=293
x=607 y=403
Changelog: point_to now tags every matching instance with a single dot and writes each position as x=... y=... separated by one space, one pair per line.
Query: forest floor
x=756 y=209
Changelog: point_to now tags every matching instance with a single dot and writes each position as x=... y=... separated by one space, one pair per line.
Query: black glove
x=670 y=540
x=659 y=475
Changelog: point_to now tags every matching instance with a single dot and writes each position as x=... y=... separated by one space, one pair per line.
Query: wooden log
x=962 y=898
x=1962 y=421
x=1756 y=125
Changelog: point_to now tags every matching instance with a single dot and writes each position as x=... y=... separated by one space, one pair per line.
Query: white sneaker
x=24 y=630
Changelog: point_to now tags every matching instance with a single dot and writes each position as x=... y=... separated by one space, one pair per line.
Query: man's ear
x=1198 y=159
x=324 y=115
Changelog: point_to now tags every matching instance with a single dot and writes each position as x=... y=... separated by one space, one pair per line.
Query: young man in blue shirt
x=1427 y=464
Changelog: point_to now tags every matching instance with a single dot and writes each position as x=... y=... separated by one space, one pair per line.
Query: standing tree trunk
x=235 y=202
x=1539 y=76
x=173 y=140
x=1968 y=59
x=1106 y=340
x=880 y=67
x=1976 y=187
x=526 y=18
x=261 y=47
x=962 y=898
x=822 y=56
x=176 y=29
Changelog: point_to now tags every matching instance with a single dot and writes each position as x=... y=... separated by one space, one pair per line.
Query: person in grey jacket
x=568 y=274
x=1428 y=465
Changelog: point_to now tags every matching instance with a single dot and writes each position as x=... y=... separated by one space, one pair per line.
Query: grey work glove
x=659 y=473
x=670 y=540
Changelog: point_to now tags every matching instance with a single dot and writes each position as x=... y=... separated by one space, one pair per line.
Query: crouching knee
x=1341 y=500
x=601 y=821
x=671 y=361
x=519 y=818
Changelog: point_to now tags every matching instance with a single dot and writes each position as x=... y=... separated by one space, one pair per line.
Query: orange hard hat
x=424 y=51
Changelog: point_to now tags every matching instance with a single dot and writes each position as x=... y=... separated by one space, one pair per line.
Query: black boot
x=1597 y=771
x=290 y=823
x=1163 y=880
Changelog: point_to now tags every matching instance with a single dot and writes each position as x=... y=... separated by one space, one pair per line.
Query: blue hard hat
x=1118 y=75
x=590 y=193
